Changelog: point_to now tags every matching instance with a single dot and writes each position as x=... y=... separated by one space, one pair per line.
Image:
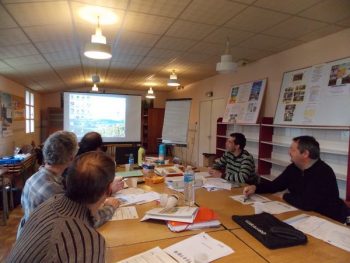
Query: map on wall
x=318 y=95
x=244 y=102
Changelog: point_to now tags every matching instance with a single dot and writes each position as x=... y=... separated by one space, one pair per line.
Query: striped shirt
x=43 y=185
x=240 y=169
x=59 y=230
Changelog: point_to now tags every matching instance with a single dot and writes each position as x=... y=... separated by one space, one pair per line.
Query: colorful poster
x=244 y=103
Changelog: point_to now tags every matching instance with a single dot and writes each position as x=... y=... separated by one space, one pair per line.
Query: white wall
x=19 y=136
x=325 y=49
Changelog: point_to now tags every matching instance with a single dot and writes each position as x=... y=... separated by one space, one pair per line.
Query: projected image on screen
x=105 y=115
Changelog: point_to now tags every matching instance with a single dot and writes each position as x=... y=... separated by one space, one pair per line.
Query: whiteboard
x=244 y=102
x=176 y=119
x=316 y=96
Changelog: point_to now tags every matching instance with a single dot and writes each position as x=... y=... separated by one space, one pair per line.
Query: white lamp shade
x=173 y=81
x=97 y=51
x=94 y=88
x=150 y=94
x=226 y=64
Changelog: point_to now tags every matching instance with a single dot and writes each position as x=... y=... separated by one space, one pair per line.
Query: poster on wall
x=6 y=114
x=244 y=102
x=18 y=108
x=318 y=95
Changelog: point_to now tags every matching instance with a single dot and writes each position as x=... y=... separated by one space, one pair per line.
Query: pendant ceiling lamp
x=226 y=65
x=95 y=79
x=98 y=48
x=150 y=94
x=94 y=88
x=173 y=81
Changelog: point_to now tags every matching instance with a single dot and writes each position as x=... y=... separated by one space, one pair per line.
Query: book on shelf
x=185 y=214
x=205 y=218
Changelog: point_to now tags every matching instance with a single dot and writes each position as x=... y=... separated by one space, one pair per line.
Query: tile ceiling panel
x=127 y=59
x=220 y=35
x=213 y=12
x=56 y=46
x=16 y=51
x=256 y=19
x=294 y=28
x=58 y=64
x=62 y=55
x=12 y=36
x=287 y=6
x=141 y=39
x=208 y=48
x=328 y=11
x=5 y=19
x=247 y=2
x=287 y=45
x=44 y=13
x=167 y=8
x=133 y=50
x=324 y=31
x=164 y=53
x=123 y=65
x=178 y=44
x=345 y=22
x=189 y=30
x=263 y=42
x=194 y=57
x=28 y=60
x=120 y=4
x=49 y=33
x=147 y=23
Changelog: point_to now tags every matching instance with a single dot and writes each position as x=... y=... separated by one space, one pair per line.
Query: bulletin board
x=316 y=96
x=244 y=102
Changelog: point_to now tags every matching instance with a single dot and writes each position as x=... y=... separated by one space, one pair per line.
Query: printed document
x=212 y=184
x=154 y=255
x=185 y=251
x=123 y=213
x=130 y=199
x=250 y=200
x=275 y=207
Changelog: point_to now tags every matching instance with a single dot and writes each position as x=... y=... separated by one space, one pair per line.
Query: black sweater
x=314 y=189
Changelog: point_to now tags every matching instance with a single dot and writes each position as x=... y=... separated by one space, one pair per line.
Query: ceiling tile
x=55 y=46
x=247 y=2
x=331 y=29
x=220 y=35
x=67 y=63
x=23 y=61
x=142 y=39
x=120 y=4
x=213 y=12
x=12 y=36
x=48 y=33
x=287 y=6
x=164 y=53
x=62 y=55
x=178 y=44
x=146 y=23
x=167 y=8
x=344 y=22
x=286 y=45
x=16 y=51
x=43 y=13
x=294 y=27
x=256 y=19
x=263 y=42
x=189 y=30
x=134 y=50
x=194 y=57
x=5 y=19
x=208 y=48
x=328 y=11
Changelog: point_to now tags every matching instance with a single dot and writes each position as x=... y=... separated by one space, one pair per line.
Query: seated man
x=238 y=163
x=61 y=229
x=59 y=151
x=311 y=183
x=91 y=141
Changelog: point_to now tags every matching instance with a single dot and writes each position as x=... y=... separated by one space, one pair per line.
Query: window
x=29 y=112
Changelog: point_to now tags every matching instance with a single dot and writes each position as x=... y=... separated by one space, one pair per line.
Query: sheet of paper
x=154 y=255
x=275 y=207
x=185 y=251
x=203 y=174
x=129 y=199
x=251 y=200
x=218 y=183
x=323 y=229
x=130 y=173
x=123 y=213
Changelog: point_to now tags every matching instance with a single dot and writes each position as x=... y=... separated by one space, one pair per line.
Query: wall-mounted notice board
x=317 y=95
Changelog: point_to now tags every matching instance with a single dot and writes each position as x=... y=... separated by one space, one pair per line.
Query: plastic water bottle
x=131 y=161
x=189 y=186
x=141 y=156
x=161 y=152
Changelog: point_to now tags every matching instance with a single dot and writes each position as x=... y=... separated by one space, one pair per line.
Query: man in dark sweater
x=310 y=182
x=61 y=229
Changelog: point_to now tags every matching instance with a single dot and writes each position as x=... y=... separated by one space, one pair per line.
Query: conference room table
x=126 y=238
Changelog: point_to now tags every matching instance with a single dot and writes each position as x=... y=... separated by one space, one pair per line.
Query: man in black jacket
x=310 y=182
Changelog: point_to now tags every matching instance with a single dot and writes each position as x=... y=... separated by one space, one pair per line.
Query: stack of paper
x=250 y=200
x=181 y=214
x=323 y=229
x=275 y=207
x=129 y=199
x=123 y=213
x=185 y=251
x=212 y=184
x=204 y=218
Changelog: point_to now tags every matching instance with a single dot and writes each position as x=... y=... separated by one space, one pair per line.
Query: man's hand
x=215 y=173
x=117 y=184
x=249 y=190
x=112 y=202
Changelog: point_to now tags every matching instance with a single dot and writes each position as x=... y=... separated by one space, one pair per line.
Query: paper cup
x=133 y=182
x=163 y=199
x=127 y=167
x=172 y=201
